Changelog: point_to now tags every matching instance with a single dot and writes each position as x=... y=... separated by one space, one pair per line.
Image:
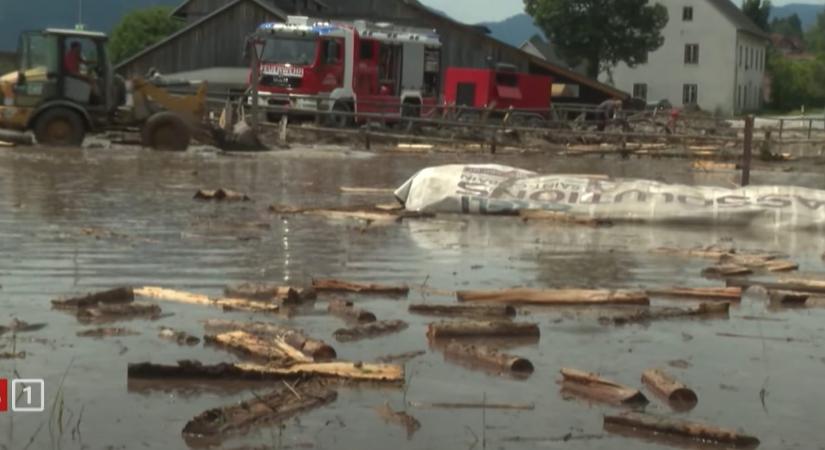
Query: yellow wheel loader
x=65 y=87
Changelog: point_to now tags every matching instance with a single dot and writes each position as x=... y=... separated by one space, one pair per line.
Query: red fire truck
x=352 y=67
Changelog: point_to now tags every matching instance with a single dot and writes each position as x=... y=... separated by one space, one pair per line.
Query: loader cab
x=65 y=65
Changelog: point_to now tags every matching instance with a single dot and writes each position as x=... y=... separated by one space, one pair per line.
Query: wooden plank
x=556 y=297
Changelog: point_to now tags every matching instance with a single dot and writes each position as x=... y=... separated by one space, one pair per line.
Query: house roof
x=554 y=68
x=180 y=8
x=268 y=7
x=541 y=45
x=738 y=18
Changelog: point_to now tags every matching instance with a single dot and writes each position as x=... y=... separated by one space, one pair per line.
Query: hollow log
x=594 y=387
x=496 y=311
x=680 y=428
x=117 y=311
x=370 y=330
x=190 y=298
x=489 y=357
x=558 y=297
x=246 y=371
x=563 y=218
x=278 y=406
x=358 y=288
x=468 y=328
x=181 y=337
x=649 y=315
x=788 y=298
x=113 y=296
x=679 y=396
x=348 y=311
x=410 y=423
x=290 y=341
x=726 y=293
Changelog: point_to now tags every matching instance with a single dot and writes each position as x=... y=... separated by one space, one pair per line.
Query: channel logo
x=22 y=395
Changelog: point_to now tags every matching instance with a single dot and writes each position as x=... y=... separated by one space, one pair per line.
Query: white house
x=713 y=56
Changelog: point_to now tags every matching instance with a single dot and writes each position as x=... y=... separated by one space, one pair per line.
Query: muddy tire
x=60 y=127
x=344 y=120
x=166 y=131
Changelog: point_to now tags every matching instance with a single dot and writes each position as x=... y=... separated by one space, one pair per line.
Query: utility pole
x=79 y=25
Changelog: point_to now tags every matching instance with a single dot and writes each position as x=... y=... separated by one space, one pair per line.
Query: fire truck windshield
x=300 y=52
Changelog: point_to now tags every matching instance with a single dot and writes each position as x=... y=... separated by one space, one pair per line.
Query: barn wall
x=218 y=42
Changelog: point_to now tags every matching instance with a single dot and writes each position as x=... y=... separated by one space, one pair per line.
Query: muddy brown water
x=77 y=221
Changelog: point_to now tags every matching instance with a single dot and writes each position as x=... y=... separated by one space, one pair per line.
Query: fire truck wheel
x=166 y=131
x=343 y=120
x=60 y=127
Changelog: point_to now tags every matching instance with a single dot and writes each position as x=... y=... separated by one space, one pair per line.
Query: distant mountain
x=100 y=15
x=514 y=30
x=807 y=12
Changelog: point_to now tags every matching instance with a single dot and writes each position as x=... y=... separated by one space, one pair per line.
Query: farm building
x=211 y=45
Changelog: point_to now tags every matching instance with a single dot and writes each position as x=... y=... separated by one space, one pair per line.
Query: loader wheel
x=60 y=127
x=166 y=131
x=341 y=121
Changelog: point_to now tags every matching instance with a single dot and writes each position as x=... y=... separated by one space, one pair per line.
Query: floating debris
x=593 y=387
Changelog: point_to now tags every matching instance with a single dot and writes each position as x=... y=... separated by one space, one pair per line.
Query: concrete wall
x=715 y=75
x=750 y=70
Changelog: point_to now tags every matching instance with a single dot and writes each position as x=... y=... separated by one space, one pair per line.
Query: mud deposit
x=81 y=221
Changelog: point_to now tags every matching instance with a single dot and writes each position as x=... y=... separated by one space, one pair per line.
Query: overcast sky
x=472 y=11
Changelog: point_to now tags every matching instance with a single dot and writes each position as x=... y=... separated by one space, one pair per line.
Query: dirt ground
x=75 y=221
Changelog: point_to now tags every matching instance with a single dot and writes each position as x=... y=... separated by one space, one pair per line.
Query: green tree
x=788 y=26
x=140 y=29
x=759 y=11
x=796 y=82
x=601 y=32
x=815 y=37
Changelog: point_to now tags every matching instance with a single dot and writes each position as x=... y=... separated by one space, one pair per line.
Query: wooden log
x=370 y=330
x=399 y=418
x=489 y=357
x=252 y=345
x=785 y=284
x=494 y=311
x=556 y=297
x=726 y=270
x=194 y=370
x=680 y=428
x=592 y=386
x=764 y=262
x=113 y=296
x=531 y=215
x=366 y=191
x=678 y=396
x=19 y=326
x=285 y=295
x=478 y=328
x=282 y=404
x=358 y=288
x=221 y=195
x=649 y=315
x=788 y=298
x=402 y=357
x=704 y=253
x=290 y=341
x=181 y=337
x=348 y=311
x=727 y=293
x=100 y=333
x=119 y=311
x=189 y=298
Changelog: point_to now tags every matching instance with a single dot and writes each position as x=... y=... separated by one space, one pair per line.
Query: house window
x=752 y=62
x=687 y=14
x=690 y=94
x=691 y=53
x=740 y=56
x=640 y=91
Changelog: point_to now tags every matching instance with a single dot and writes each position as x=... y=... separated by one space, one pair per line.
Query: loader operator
x=71 y=64
x=606 y=111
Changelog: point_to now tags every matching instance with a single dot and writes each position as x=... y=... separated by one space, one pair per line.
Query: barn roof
x=266 y=6
x=741 y=21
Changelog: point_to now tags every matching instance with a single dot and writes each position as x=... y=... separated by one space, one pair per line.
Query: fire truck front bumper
x=293 y=104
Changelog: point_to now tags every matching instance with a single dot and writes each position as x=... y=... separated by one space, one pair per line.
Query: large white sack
x=496 y=189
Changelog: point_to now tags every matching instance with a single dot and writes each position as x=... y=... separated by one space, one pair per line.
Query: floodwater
x=85 y=220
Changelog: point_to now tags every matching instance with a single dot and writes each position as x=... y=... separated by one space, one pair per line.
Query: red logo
x=4 y=395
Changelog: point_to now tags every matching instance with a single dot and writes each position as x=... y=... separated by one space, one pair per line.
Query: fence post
x=781 y=127
x=748 y=151
x=810 y=127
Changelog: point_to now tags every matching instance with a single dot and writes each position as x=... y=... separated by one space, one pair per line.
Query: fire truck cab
x=358 y=67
